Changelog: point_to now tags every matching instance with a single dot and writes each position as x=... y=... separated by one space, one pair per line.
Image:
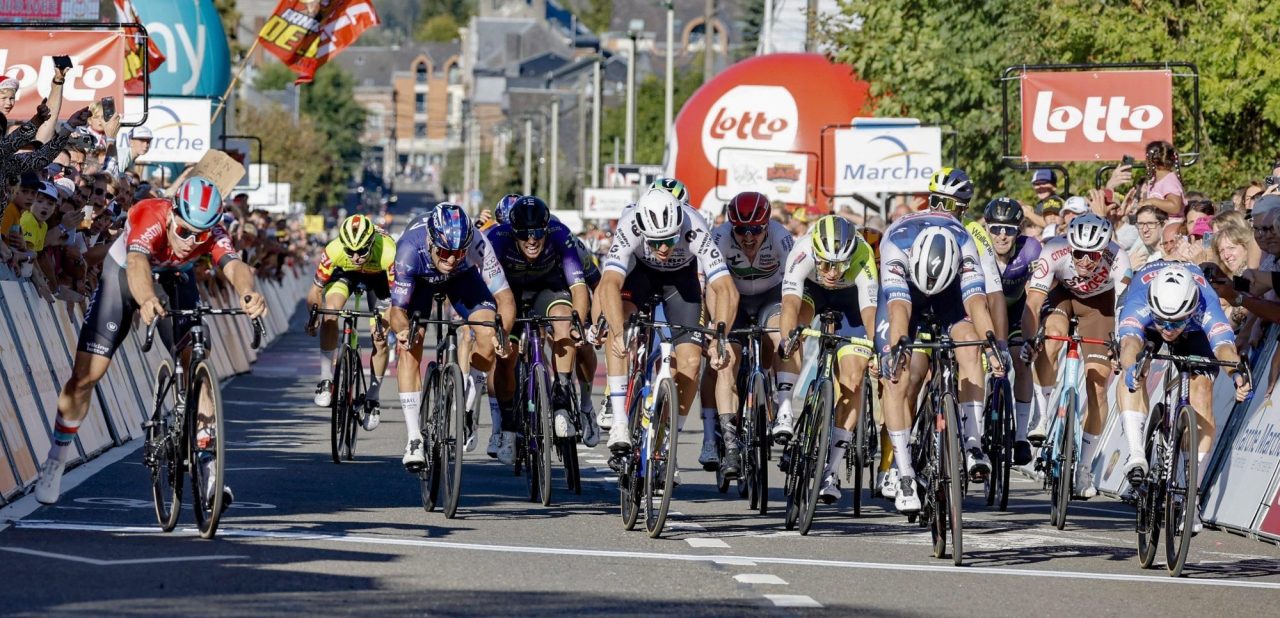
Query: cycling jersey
x=1135 y=314
x=414 y=264
x=1017 y=270
x=895 y=253
x=590 y=265
x=765 y=271
x=147 y=232
x=980 y=236
x=557 y=266
x=861 y=273
x=693 y=243
x=382 y=257
x=1055 y=265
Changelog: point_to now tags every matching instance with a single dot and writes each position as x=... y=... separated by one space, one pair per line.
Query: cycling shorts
x=680 y=292
x=843 y=301
x=539 y=302
x=762 y=307
x=1096 y=315
x=466 y=293
x=344 y=282
x=110 y=314
x=944 y=309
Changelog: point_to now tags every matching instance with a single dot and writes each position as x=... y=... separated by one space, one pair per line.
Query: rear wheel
x=757 y=452
x=1008 y=424
x=863 y=433
x=429 y=476
x=338 y=408
x=630 y=480
x=449 y=440
x=1151 y=493
x=204 y=401
x=162 y=455
x=663 y=426
x=815 y=455
x=1182 y=499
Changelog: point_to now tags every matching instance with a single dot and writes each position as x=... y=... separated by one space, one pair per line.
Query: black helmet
x=1004 y=210
x=530 y=213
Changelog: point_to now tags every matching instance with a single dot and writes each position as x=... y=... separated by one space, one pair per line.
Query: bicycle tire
x=162 y=456
x=567 y=448
x=1180 y=518
x=208 y=509
x=860 y=447
x=429 y=475
x=758 y=453
x=630 y=480
x=1067 y=463
x=992 y=441
x=1151 y=494
x=356 y=389
x=544 y=437
x=817 y=455
x=1008 y=432
x=338 y=409
x=933 y=508
x=664 y=424
x=955 y=477
x=450 y=439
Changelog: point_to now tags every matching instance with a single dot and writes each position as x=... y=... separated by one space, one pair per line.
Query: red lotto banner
x=99 y=66
x=1094 y=116
x=307 y=33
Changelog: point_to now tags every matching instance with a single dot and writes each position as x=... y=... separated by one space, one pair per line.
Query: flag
x=137 y=62
x=307 y=33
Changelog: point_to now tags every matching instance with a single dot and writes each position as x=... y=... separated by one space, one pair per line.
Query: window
x=419 y=129
x=455 y=75
x=422 y=72
x=420 y=103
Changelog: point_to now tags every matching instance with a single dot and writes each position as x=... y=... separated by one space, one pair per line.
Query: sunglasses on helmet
x=751 y=230
x=533 y=234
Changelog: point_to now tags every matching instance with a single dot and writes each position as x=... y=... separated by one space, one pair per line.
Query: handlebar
x=906 y=345
x=719 y=332
x=416 y=321
x=200 y=311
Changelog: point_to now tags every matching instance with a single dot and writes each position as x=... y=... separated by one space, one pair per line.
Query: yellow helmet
x=357 y=233
x=834 y=239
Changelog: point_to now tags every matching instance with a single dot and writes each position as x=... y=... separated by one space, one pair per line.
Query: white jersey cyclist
x=693 y=242
x=976 y=275
x=762 y=273
x=1055 y=265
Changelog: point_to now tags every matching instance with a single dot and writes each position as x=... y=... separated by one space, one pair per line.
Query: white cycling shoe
x=564 y=425
x=507 y=448
x=783 y=428
x=1136 y=465
x=1084 y=487
x=907 y=501
x=619 y=438
x=324 y=393
x=604 y=418
x=830 y=492
x=495 y=442
x=889 y=483
x=414 y=459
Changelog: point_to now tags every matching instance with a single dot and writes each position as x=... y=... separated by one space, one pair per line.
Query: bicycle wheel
x=1151 y=493
x=204 y=403
x=429 y=475
x=630 y=478
x=931 y=465
x=955 y=478
x=1008 y=432
x=859 y=448
x=338 y=408
x=663 y=426
x=162 y=455
x=567 y=448
x=544 y=435
x=1066 y=467
x=991 y=440
x=1182 y=497
x=816 y=455
x=449 y=438
x=757 y=418
x=356 y=386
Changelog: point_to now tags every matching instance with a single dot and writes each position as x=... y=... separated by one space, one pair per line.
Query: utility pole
x=669 y=101
x=554 y=200
x=630 y=129
x=811 y=27
x=527 y=189
x=766 y=28
x=708 y=30
x=595 y=124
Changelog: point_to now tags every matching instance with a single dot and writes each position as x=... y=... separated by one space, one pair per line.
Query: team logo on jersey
x=1041 y=268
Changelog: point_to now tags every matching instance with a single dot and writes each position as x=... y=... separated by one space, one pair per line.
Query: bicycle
x=646 y=473
x=998 y=433
x=534 y=382
x=1168 y=496
x=805 y=456
x=1058 y=460
x=174 y=445
x=349 y=388
x=861 y=459
x=755 y=410
x=935 y=440
x=442 y=410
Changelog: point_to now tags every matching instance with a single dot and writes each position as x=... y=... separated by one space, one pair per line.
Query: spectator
x=1150 y=223
x=1163 y=187
x=1229 y=257
x=1244 y=195
x=1049 y=210
x=8 y=95
x=1073 y=207
x=128 y=151
x=1198 y=206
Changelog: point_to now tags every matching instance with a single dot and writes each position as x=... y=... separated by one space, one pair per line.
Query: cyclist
x=659 y=247
x=540 y=261
x=440 y=253
x=489 y=220
x=362 y=253
x=163 y=239
x=931 y=271
x=1079 y=274
x=830 y=268
x=1171 y=302
x=1014 y=254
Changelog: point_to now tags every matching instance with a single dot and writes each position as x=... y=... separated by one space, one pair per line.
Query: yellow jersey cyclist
x=362 y=253
x=831 y=268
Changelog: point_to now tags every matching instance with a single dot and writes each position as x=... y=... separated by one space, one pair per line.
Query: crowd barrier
x=37 y=347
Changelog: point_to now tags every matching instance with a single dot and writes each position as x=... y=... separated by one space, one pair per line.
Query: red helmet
x=748 y=208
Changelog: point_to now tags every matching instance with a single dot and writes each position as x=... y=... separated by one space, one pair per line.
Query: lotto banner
x=1094 y=115
x=97 y=58
x=307 y=33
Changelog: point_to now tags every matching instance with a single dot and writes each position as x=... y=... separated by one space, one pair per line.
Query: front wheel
x=756 y=472
x=661 y=467
x=1151 y=493
x=429 y=475
x=206 y=437
x=543 y=438
x=955 y=479
x=1066 y=466
x=449 y=438
x=1181 y=505
x=815 y=455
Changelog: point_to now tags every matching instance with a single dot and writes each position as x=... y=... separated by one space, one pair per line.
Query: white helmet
x=659 y=215
x=1174 y=294
x=1089 y=232
x=935 y=260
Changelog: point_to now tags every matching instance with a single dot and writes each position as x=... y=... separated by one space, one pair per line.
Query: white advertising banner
x=782 y=176
x=180 y=128
x=886 y=159
x=606 y=203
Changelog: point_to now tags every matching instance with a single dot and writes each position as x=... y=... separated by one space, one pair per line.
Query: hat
x=1048 y=176
x=1049 y=205
x=30 y=180
x=1202 y=226
x=48 y=189
x=1265 y=204
x=65 y=186
x=1076 y=204
x=8 y=83
x=140 y=133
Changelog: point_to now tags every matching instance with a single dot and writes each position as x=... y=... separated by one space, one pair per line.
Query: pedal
x=616 y=463
x=1137 y=478
x=415 y=468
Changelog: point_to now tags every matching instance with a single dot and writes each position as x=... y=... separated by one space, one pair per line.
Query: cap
x=140 y=133
x=1202 y=226
x=1076 y=204
x=1048 y=176
x=8 y=83
x=1265 y=204
x=65 y=186
x=48 y=189
x=1049 y=205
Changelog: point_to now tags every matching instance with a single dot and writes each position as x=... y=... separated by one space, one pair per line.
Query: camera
x=1271 y=181
x=82 y=141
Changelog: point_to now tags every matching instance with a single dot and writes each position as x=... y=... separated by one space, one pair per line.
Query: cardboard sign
x=219 y=167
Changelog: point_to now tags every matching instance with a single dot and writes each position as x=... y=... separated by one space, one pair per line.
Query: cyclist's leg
x=409 y=376
x=683 y=306
x=972 y=378
x=586 y=363
x=1201 y=395
x=714 y=395
x=1055 y=316
x=334 y=297
x=557 y=303
x=377 y=288
x=1134 y=407
x=636 y=285
x=1097 y=321
x=788 y=371
x=900 y=406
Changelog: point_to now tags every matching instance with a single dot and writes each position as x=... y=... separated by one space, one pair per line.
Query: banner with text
x=307 y=33
x=606 y=203
x=782 y=176
x=1094 y=115
x=886 y=159
x=48 y=10
x=180 y=127
x=98 y=67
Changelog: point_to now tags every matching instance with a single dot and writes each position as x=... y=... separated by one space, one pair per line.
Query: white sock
x=375 y=384
x=1089 y=444
x=1022 y=418
x=1200 y=468
x=709 y=423
x=618 y=398
x=1133 y=422
x=901 y=454
x=782 y=395
x=1040 y=397
x=409 y=404
x=840 y=438
x=326 y=364
x=971 y=415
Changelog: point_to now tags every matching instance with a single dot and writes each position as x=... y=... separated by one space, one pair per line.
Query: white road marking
x=763 y=579
x=685 y=525
x=734 y=561
x=792 y=600
x=73 y=478
x=970 y=571
x=96 y=562
x=252 y=469
x=704 y=542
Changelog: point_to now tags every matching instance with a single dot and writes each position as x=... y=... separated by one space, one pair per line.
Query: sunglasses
x=938 y=202
x=1000 y=229
x=1080 y=255
x=826 y=266
x=1147 y=225
x=662 y=242
x=450 y=254
x=110 y=195
x=355 y=252
x=748 y=230
x=533 y=234
x=1170 y=325
x=187 y=234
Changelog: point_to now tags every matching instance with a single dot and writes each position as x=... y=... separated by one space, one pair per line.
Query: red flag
x=307 y=33
x=134 y=61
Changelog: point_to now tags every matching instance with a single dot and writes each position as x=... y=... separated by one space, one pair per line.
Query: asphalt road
x=307 y=536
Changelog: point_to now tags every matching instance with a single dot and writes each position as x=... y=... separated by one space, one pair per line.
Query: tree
x=328 y=101
x=274 y=76
x=437 y=29
x=650 y=93
x=939 y=61
x=230 y=21
x=282 y=141
x=752 y=28
x=597 y=15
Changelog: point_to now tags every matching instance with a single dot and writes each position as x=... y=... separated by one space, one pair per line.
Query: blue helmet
x=449 y=227
x=198 y=202
x=502 y=212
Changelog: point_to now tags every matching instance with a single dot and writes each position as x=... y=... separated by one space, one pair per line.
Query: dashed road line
x=702 y=541
x=792 y=600
x=762 y=579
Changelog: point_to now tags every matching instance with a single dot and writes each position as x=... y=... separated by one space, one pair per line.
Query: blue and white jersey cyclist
x=442 y=252
x=930 y=269
x=1170 y=303
x=538 y=255
x=658 y=248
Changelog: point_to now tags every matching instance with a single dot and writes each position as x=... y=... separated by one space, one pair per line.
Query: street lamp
x=634 y=29
x=668 y=102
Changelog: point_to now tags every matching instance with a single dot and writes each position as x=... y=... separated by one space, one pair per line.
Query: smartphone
x=1240 y=284
x=1127 y=160
x=62 y=62
x=1271 y=181
x=108 y=108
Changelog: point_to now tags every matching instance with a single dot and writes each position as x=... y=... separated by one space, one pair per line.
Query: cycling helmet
x=1089 y=233
x=502 y=212
x=1003 y=211
x=1173 y=295
x=659 y=214
x=449 y=227
x=672 y=186
x=199 y=203
x=952 y=183
x=834 y=239
x=748 y=208
x=935 y=260
x=357 y=233
x=529 y=213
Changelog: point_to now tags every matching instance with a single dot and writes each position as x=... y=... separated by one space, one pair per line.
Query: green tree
x=230 y=23
x=274 y=76
x=597 y=14
x=437 y=29
x=752 y=26
x=282 y=140
x=650 y=94
x=940 y=62
x=329 y=103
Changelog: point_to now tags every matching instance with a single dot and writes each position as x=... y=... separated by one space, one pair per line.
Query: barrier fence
x=37 y=347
